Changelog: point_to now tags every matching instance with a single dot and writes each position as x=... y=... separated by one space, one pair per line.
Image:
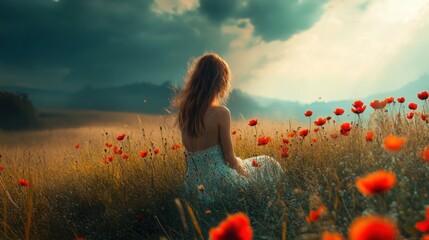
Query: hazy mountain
x=155 y=99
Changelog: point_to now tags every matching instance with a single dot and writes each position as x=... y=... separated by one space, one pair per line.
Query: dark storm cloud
x=219 y=10
x=72 y=43
x=272 y=19
x=280 y=19
x=102 y=42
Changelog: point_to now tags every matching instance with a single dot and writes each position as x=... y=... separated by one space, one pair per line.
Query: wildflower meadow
x=361 y=179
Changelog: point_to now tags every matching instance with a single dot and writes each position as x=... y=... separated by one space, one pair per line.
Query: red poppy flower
x=285 y=141
x=263 y=141
x=376 y=104
x=380 y=181
x=285 y=153
x=401 y=99
x=389 y=99
x=345 y=129
x=320 y=122
x=77 y=145
x=373 y=227
x=424 y=155
x=316 y=129
x=308 y=113
x=255 y=163
x=410 y=115
x=313 y=140
x=303 y=133
x=176 y=146
x=23 y=182
x=412 y=106
x=1 y=168
x=332 y=236
x=234 y=227
x=339 y=111
x=359 y=107
x=333 y=135
x=291 y=134
x=394 y=143
x=116 y=150
x=423 y=226
x=120 y=137
x=423 y=116
x=369 y=137
x=108 y=159
x=144 y=153
x=234 y=132
x=108 y=145
x=156 y=150
x=425 y=237
x=253 y=122
x=328 y=118
x=125 y=156
x=423 y=95
x=207 y=212
x=315 y=215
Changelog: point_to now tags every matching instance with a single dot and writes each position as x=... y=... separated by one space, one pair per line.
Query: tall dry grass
x=73 y=193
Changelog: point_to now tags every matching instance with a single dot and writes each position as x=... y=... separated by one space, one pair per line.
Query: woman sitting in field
x=213 y=170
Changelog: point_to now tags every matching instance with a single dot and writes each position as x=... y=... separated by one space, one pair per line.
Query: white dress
x=208 y=178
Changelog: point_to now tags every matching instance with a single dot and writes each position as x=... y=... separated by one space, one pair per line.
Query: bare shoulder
x=223 y=111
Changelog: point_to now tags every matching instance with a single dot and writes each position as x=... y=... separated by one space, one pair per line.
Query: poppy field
x=361 y=179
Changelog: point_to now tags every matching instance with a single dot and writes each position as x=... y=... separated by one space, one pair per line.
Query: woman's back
x=210 y=137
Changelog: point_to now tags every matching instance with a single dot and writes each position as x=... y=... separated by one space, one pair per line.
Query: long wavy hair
x=208 y=80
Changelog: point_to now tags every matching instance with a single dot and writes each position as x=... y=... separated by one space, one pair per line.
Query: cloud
x=101 y=42
x=279 y=19
x=351 y=52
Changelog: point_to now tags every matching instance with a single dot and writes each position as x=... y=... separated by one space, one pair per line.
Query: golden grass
x=73 y=193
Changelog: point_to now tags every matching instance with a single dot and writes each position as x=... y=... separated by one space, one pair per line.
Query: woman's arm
x=226 y=142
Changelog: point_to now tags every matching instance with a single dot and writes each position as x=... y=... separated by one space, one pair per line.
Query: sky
x=298 y=50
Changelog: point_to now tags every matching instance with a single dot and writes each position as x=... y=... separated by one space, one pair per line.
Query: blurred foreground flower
x=373 y=227
x=423 y=226
x=234 y=227
x=369 y=137
x=394 y=143
x=376 y=182
x=425 y=154
x=332 y=236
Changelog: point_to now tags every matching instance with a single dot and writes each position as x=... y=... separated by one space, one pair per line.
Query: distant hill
x=155 y=99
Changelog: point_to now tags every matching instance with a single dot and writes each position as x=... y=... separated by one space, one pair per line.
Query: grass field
x=79 y=188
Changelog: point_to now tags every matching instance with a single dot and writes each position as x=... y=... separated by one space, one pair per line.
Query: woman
x=213 y=169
